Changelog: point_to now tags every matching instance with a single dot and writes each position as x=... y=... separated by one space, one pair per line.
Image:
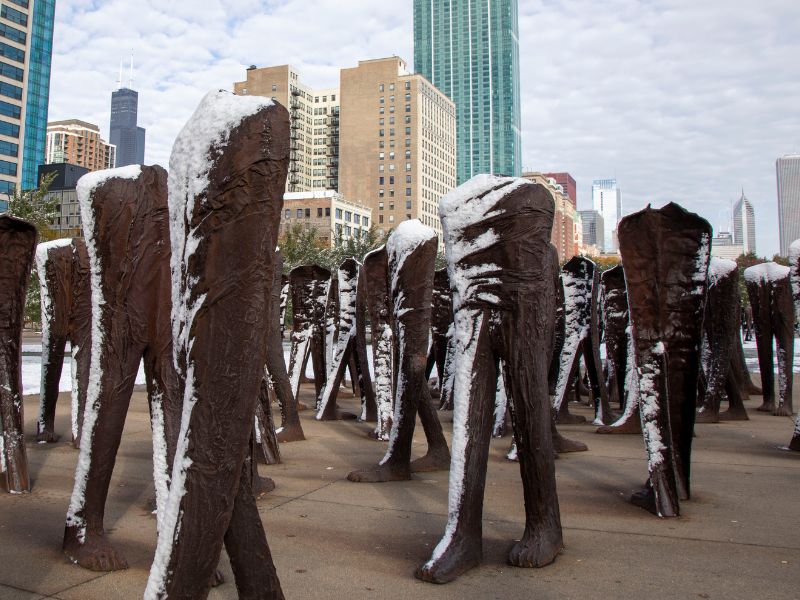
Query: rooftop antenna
x=130 y=86
x=119 y=79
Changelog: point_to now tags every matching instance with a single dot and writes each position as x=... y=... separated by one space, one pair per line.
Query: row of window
x=14 y=15
x=13 y=34
x=381 y=168
x=10 y=90
x=9 y=129
x=11 y=71
x=345 y=215
x=9 y=148
x=12 y=53
x=382 y=87
x=381 y=132
x=382 y=99
x=381 y=121
x=348 y=231
x=8 y=168
x=391 y=179
x=391 y=205
x=10 y=110
x=391 y=193
x=382 y=155
x=22 y=3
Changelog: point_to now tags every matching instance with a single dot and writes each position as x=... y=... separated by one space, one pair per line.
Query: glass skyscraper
x=41 y=55
x=788 y=174
x=469 y=49
x=124 y=132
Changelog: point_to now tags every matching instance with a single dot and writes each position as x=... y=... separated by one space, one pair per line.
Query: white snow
x=794 y=261
x=769 y=271
x=91 y=181
x=719 y=268
x=402 y=242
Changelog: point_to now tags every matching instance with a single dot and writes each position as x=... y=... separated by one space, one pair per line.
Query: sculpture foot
x=338 y=415
x=570 y=419
x=563 y=445
x=446 y=406
x=766 y=407
x=534 y=551
x=434 y=460
x=262 y=486
x=380 y=474
x=734 y=414
x=646 y=499
x=47 y=436
x=292 y=433
x=217 y=579
x=794 y=444
x=782 y=410
x=707 y=416
x=95 y=553
x=76 y=443
x=301 y=406
x=460 y=556
x=631 y=426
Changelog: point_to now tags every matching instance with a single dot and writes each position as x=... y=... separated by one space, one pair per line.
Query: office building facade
x=593 y=231
x=124 y=131
x=744 y=225
x=607 y=200
x=328 y=213
x=26 y=49
x=397 y=143
x=67 y=222
x=78 y=143
x=470 y=51
x=788 y=176
x=314 y=133
x=568 y=184
x=567 y=232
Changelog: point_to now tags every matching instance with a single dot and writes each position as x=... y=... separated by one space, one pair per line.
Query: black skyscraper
x=124 y=134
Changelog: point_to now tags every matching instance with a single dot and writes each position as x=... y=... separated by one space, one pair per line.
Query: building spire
x=130 y=81
x=119 y=79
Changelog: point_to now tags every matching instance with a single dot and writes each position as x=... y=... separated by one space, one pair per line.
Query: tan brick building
x=567 y=234
x=398 y=142
x=314 y=113
x=328 y=213
x=78 y=143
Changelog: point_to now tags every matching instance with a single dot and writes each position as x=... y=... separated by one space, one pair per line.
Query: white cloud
x=679 y=100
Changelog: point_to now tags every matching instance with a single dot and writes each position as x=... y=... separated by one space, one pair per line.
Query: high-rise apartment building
x=124 y=132
x=593 y=230
x=788 y=174
x=469 y=49
x=314 y=113
x=78 y=143
x=567 y=183
x=607 y=200
x=744 y=225
x=26 y=48
x=397 y=144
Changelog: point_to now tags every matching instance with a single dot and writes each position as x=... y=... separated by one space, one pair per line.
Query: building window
x=357 y=219
x=348 y=216
x=408 y=154
x=380 y=132
x=408 y=85
x=15 y=35
x=380 y=218
x=327 y=211
x=9 y=129
x=287 y=213
x=8 y=168
x=391 y=98
x=380 y=155
x=408 y=178
x=348 y=231
x=380 y=88
x=391 y=179
x=11 y=71
x=408 y=130
x=365 y=221
x=339 y=213
x=391 y=120
x=380 y=168
x=408 y=108
x=380 y=193
x=299 y=213
x=14 y=15
x=380 y=205
x=382 y=101
x=391 y=155
x=408 y=193
x=408 y=142
x=408 y=166
x=308 y=213
x=380 y=121
x=380 y=110
x=391 y=87
x=391 y=218
x=10 y=110
x=319 y=211
x=338 y=229
x=380 y=180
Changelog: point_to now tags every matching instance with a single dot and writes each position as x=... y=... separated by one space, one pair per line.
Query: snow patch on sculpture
x=766 y=272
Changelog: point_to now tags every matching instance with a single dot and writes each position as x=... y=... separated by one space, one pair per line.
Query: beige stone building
x=567 y=234
x=78 y=143
x=398 y=143
x=328 y=213
x=314 y=113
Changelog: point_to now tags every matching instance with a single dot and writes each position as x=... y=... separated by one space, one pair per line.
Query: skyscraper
x=788 y=175
x=469 y=49
x=568 y=184
x=593 y=230
x=124 y=133
x=78 y=143
x=607 y=200
x=26 y=49
x=744 y=225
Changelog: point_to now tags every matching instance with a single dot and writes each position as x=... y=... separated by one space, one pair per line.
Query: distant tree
x=745 y=261
x=305 y=246
x=34 y=207
x=781 y=260
x=605 y=262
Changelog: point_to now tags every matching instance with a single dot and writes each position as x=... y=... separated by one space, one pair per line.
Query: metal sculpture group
x=182 y=273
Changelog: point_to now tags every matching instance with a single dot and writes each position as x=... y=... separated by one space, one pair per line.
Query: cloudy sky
x=680 y=100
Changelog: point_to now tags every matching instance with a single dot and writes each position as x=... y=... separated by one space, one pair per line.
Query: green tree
x=35 y=207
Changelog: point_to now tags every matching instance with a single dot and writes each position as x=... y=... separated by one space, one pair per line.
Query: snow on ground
x=751 y=356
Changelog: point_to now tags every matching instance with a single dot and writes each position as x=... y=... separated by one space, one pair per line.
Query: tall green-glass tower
x=469 y=49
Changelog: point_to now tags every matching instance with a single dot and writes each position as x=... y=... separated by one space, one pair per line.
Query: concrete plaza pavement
x=739 y=537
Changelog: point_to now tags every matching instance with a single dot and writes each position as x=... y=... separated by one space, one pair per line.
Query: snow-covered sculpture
x=497 y=240
x=290 y=430
x=721 y=327
x=770 y=294
x=619 y=355
x=17 y=246
x=666 y=252
x=441 y=322
x=227 y=176
x=309 y=288
x=580 y=280
x=126 y=228
x=349 y=345
x=794 y=266
x=66 y=301
x=379 y=305
x=411 y=250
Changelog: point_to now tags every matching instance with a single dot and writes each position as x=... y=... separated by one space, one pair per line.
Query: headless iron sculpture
x=504 y=284
x=411 y=251
x=227 y=177
x=665 y=252
x=17 y=246
x=66 y=300
x=794 y=262
x=770 y=294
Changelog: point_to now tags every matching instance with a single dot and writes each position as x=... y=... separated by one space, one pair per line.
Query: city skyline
x=622 y=94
